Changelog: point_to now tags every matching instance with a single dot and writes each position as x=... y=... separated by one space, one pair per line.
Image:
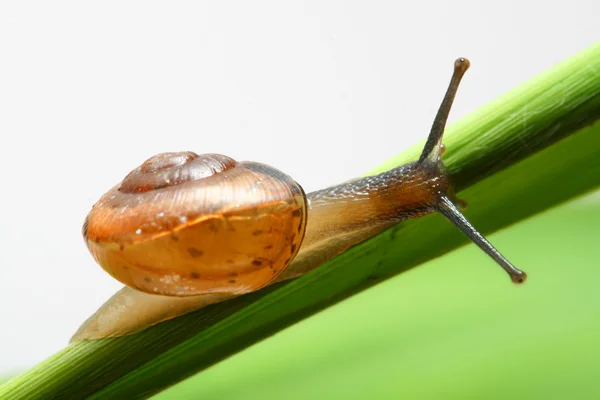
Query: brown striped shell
x=184 y=224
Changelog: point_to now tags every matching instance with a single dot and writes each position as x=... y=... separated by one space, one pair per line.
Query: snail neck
x=344 y=215
x=404 y=192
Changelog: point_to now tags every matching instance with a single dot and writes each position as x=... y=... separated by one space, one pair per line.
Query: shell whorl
x=170 y=169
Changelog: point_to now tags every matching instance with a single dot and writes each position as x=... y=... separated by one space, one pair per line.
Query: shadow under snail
x=184 y=230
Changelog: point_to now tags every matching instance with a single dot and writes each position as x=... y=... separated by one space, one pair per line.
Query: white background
x=323 y=90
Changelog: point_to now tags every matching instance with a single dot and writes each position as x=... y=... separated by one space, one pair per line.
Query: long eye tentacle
x=449 y=210
x=430 y=159
x=433 y=146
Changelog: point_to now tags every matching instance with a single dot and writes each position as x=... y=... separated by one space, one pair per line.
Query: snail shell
x=184 y=224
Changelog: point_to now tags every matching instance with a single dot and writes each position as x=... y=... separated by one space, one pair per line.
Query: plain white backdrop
x=323 y=90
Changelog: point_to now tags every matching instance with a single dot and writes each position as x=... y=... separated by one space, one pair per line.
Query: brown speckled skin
x=344 y=215
x=216 y=226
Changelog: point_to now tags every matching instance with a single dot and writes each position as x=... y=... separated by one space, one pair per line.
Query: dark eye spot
x=257 y=263
x=194 y=252
x=257 y=232
x=147 y=279
x=232 y=281
x=269 y=247
x=194 y=275
x=229 y=261
x=297 y=213
x=293 y=248
x=121 y=247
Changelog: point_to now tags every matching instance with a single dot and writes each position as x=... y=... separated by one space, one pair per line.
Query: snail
x=184 y=230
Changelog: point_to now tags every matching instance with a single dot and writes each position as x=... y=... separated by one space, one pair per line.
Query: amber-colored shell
x=183 y=224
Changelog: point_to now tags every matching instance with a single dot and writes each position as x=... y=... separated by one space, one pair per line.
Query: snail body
x=183 y=231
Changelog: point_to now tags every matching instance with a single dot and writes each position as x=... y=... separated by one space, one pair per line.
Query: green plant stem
x=556 y=112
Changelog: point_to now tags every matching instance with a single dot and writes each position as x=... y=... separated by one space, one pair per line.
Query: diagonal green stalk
x=494 y=158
